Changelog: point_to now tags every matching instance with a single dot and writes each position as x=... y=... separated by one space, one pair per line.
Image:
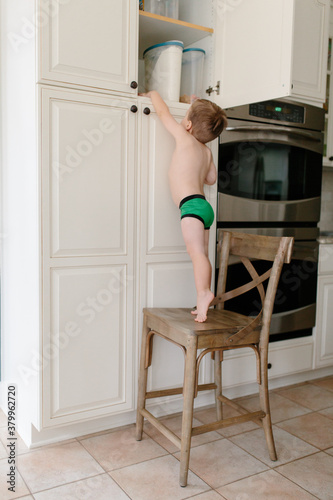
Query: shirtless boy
x=191 y=167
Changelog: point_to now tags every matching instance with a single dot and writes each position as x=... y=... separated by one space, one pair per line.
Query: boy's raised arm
x=163 y=113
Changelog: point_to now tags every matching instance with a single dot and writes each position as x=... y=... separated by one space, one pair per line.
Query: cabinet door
x=310 y=49
x=324 y=338
x=166 y=276
x=88 y=179
x=166 y=273
x=253 y=55
x=160 y=221
x=267 y=49
x=90 y=43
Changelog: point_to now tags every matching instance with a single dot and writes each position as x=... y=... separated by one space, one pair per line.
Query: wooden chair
x=223 y=330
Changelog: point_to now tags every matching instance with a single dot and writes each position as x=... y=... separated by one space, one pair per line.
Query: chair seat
x=178 y=323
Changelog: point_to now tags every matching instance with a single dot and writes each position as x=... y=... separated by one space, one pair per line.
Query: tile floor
x=231 y=464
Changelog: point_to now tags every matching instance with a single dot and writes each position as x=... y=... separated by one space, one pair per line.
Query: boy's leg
x=195 y=312
x=206 y=241
x=197 y=247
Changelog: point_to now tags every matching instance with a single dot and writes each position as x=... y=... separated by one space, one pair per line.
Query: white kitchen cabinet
x=260 y=49
x=88 y=43
x=324 y=321
x=309 y=58
x=272 y=49
x=256 y=50
x=88 y=171
x=69 y=204
x=166 y=273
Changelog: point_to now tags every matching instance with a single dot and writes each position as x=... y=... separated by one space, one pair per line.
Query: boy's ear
x=189 y=125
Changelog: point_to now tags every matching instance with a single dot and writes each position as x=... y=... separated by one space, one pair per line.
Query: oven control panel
x=277 y=110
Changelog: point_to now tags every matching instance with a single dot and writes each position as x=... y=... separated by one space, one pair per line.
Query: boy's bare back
x=191 y=167
x=192 y=164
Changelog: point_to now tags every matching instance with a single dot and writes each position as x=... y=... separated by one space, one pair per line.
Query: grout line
x=204 y=492
x=295 y=435
x=168 y=453
x=24 y=481
x=292 y=481
x=273 y=467
x=122 y=489
x=141 y=462
x=94 y=458
x=65 y=484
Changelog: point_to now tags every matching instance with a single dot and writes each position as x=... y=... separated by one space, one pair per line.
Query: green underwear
x=198 y=207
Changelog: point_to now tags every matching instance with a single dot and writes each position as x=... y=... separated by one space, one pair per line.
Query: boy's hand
x=164 y=114
x=145 y=94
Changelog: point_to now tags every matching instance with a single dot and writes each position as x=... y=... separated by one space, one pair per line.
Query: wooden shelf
x=158 y=29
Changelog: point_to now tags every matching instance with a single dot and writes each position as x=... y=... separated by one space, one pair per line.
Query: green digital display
x=275 y=110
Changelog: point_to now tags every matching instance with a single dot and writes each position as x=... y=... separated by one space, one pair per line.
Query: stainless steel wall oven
x=269 y=182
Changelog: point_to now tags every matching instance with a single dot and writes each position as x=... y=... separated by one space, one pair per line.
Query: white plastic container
x=155 y=7
x=168 y=8
x=172 y=8
x=192 y=74
x=163 y=63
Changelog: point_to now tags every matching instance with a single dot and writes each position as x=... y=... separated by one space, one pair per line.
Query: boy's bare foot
x=203 y=300
x=195 y=310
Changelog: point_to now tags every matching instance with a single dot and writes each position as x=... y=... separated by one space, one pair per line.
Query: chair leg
x=187 y=419
x=218 y=382
x=143 y=372
x=264 y=405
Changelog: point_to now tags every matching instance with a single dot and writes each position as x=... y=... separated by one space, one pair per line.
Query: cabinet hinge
x=214 y=89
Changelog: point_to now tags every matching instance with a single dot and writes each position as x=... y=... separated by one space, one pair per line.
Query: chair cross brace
x=256 y=282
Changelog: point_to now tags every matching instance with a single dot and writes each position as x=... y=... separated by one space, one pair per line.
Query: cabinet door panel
x=90 y=42
x=87 y=353
x=169 y=284
x=88 y=204
x=161 y=215
x=253 y=53
x=310 y=48
x=324 y=338
x=85 y=156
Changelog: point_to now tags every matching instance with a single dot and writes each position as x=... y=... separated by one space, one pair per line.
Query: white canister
x=155 y=7
x=163 y=63
x=192 y=74
x=172 y=8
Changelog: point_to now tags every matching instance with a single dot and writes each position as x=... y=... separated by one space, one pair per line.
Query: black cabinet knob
x=134 y=108
x=331 y=158
x=146 y=111
x=134 y=85
x=269 y=366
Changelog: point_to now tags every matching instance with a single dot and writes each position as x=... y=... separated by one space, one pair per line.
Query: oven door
x=294 y=311
x=269 y=173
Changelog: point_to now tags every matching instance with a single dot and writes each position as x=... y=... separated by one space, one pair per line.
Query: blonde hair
x=208 y=120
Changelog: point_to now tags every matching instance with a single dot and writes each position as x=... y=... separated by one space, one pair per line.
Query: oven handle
x=255 y=128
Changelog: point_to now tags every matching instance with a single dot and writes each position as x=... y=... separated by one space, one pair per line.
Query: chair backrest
x=278 y=250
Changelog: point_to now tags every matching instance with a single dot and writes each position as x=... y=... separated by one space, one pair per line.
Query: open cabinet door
x=253 y=51
x=310 y=49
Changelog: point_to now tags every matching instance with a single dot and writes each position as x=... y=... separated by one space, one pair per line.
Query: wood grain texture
x=223 y=330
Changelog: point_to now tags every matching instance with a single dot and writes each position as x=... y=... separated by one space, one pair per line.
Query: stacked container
x=163 y=64
x=168 y=8
x=192 y=74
